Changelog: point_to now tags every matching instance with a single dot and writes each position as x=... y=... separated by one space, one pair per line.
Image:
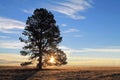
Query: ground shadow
x=20 y=74
x=24 y=74
x=16 y=74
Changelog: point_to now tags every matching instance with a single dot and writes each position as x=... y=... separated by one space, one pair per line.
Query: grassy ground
x=66 y=73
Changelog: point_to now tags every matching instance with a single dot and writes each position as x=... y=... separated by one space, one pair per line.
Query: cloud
x=63 y=25
x=4 y=37
x=72 y=8
x=91 y=60
x=11 y=45
x=11 y=59
x=3 y=61
x=71 y=30
x=64 y=47
x=94 y=62
x=8 y=25
x=30 y=11
x=103 y=50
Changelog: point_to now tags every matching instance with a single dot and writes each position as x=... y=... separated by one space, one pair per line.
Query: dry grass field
x=66 y=73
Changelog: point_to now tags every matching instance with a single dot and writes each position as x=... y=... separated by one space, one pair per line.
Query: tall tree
x=42 y=38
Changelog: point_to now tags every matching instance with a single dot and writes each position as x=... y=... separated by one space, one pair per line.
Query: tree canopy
x=42 y=37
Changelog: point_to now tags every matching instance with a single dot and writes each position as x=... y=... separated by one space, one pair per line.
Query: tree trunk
x=39 y=65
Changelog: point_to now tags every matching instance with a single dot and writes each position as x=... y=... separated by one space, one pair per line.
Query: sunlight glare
x=52 y=59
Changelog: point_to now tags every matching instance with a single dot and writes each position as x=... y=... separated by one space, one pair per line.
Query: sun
x=52 y=59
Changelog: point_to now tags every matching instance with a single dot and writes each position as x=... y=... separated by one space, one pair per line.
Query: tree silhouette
x=42 y=38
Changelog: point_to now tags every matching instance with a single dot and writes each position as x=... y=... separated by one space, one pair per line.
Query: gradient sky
x=90 y=29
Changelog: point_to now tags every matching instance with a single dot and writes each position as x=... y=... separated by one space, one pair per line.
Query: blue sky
x=90 y=28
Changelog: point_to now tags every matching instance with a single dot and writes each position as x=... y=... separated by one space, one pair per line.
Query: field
x=66 y=73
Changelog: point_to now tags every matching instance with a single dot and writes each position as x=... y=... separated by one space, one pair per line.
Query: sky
x=90 y=29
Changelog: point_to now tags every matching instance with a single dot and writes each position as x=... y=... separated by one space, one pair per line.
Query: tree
x=42 y=39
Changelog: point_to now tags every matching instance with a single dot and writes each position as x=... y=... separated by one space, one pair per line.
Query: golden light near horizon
x=52 y=59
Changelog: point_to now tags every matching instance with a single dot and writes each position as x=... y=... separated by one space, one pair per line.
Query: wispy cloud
x=103 y=50
x=79 y=61
x=71 y=30
x=11 y=45
x=64 y=47
x=72 y=8
x=8 y=25
x=4 y=37
x=64 y=25
x=11 y=59
x=30 y=11
x=91 y=60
